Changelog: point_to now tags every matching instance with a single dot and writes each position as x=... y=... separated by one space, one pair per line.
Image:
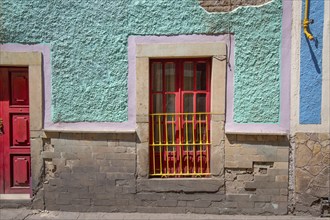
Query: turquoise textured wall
x=88 y=42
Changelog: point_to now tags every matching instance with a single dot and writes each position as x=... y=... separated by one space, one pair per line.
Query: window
x=171 y=50
x=179 y=117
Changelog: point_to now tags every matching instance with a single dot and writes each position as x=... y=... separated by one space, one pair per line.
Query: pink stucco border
x=283 y=127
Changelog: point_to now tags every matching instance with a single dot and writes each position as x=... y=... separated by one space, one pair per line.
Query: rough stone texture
x=14 y=204
x=242 y=151
x=89 y=50
x=177 y=185
x=98 y=172
x=256 y=175
x=88 y=171
x=312 y=173
x=228 y=5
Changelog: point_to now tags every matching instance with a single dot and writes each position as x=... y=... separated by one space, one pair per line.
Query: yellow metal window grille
x=180 y=144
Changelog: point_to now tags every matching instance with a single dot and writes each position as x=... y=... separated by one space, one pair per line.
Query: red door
x=15 y=131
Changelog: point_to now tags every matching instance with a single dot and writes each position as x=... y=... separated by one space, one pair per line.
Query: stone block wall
x=98 y=172
x=88 y=172
x=256 y=173
x=228 y=5
x=312 y=173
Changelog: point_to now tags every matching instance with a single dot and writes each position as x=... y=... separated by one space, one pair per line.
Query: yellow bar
x=201 y=157
x=200 y=133
x=166 y=132
x=160 y=149
x=173 y=133
x=193 y=134
x=187 y=143
x=183 y=174
x=200 y=129
x=173 y=142
x=198 y=119
x=207 y=147
x=153 y=129
x=207 y=129
x=153 y=141
x=180 y=144
x=207 y=159
x=167 y=167
x=166 y=136
x=187 y=113
x=186 y=129
x=159 y=130
x=177 y=144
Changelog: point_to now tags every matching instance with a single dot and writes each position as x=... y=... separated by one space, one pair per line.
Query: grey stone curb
x=27 y=214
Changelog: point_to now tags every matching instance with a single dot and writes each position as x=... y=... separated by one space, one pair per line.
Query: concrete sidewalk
x=29 y=214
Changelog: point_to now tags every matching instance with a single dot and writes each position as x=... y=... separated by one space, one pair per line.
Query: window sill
x=180 y=185
x=255 y=129
x=91 y=127
x=89 y=131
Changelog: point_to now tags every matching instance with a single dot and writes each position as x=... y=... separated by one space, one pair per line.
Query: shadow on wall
x=316 y=42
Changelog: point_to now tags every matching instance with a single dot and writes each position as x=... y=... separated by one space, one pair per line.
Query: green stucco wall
x=88 y=41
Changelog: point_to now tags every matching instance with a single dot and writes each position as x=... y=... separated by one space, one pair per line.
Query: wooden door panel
x=21 y=170
x=15 y=141
x=19 y=85
x=20 y=130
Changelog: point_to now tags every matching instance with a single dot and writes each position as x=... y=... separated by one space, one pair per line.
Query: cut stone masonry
x=257 y=173
x=98 y=172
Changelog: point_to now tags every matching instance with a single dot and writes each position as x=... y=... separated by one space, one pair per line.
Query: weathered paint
x=89 y=51
x=311 y=66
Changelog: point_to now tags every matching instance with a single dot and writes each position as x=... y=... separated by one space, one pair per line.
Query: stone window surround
x=218 y=52
x=32 y=60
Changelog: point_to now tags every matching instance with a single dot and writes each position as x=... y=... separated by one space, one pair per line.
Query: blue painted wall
x=311 y=66
x=88 y=42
